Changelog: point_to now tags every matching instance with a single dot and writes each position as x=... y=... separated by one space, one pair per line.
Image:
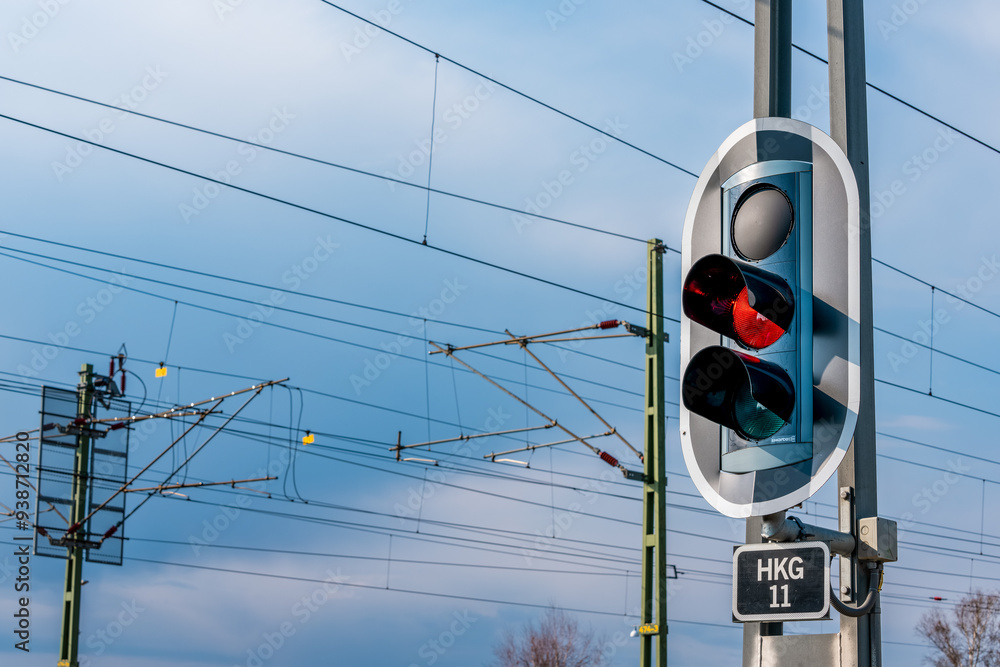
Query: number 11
x=774 y=596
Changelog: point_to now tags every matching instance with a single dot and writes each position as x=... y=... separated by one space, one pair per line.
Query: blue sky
x=673 y=79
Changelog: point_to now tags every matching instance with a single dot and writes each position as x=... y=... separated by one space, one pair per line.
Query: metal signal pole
x=772 y=97
x=69 y=644
x=654 y=498
x=861 y=638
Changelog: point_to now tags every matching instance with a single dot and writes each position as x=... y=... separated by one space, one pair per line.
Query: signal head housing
x=770 y=346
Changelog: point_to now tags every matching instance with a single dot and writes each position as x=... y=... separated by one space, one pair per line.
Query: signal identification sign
x=781 y=582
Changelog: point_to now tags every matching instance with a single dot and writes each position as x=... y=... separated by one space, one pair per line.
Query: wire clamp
x=636 y=330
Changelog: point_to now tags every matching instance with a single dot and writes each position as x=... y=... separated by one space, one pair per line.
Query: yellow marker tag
x=161 y=372
x=308 y=439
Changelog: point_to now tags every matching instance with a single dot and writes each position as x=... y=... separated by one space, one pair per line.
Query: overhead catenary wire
x=874 y=87
x=688 y=570
x=947 y=450
x=599 y=570
x=369 y=586
x=973 y=532
x=457 y=324
x=970 y=531
x=938 y=350
x=474 y=490
x=332 y=396
x=230 y=279
x=336 y=581
x=454 y=467
x=505 y=86
x=683 y=475
x=956 y=357
x=381 y=445
x=541 y=553
x=330 y=216
x=935 y=287
x=545 y=553
x=316 y=392
x=612 y=136
x=515 y=91
x=312 y=452
x=938 y=398
x=265 y=322
x=328 y=163
x=305 y=295
x=518 y=536
x=682 y=532
x=750 y=23
x=350 y=323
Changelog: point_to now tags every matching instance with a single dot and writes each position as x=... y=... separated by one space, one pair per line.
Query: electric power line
x=874 y=87
x=306 y=295
x=328 y=163
x=330 y=216
x=276 y=325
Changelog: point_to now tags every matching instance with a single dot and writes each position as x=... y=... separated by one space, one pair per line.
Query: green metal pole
x=654 y=503
x=69 y=645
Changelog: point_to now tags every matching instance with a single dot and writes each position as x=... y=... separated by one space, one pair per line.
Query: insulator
x=608 y=324
x=111 y=531
x=610 y=460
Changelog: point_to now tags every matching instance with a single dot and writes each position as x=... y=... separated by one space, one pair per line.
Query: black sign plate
x=781 y=582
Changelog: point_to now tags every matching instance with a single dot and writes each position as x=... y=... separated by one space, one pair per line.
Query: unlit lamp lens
x=762 y=222
x=754 y=421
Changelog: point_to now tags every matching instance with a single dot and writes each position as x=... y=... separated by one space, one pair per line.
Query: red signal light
x=738 y=300
x=752 y=327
